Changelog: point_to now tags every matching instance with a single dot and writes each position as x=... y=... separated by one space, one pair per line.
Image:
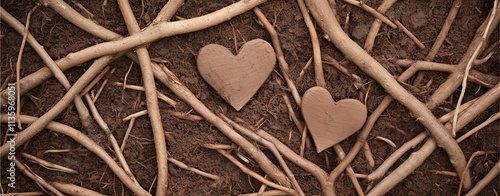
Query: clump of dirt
x=59 y=38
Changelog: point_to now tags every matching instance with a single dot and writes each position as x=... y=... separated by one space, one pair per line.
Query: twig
x=455 y=79
x=59 y=75
x=267 y=193
x=185 y=116
x=469 y=64
x=25 y=34
x=197 y=171
x=279 y=54
x=370 y=38
x=350 y=172
x=39 y=124
x=358 y=81
x=271 y=146
x=491 y=119
x=94 y=81
x=127 y=133
x=446 y=173
x=152 y=33
x=444 y=30
x=72 y=189
x=254 y=175
x=368 y=155
x=168 y=11
x=486 y=180
x=151 y=100
x=48 y=165
x=94 y=99
x=88 y=143
x=303 y=71
x=33 y=176
x=407 y=32
x=318 y=65
x=161 y=96
x=414 y=66
x=135 y=115
x=388 y=141
x=372 y=11
x=24 y=194
x=416 y=158
x=111 y=138
x=475 y=154
x=326 y=18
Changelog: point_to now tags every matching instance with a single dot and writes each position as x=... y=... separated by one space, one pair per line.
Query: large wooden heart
x=237 y=78
x=330 y=122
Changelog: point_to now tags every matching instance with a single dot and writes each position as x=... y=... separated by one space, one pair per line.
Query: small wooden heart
x=330 y=122
x=237 y=78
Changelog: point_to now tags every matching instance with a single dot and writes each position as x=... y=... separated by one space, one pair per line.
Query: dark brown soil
x=59 y=38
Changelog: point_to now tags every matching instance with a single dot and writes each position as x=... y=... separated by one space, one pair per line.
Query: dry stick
x=162 y=73
x=475 y=154
x=370 y=38
x=88 y=143
x=111 y=138
x=315 y=170
x=326 y=18
x=396 y=155
x=161 y=96
x=407 y=32
x=255 y=175
x=491 y=119
x=371 y=11
x=455 y=79
x=350 y=172
x=174 y=84
x=415 y=66
x=33 y=176
x=24 y=194
x=151 y=100
x=38 y=125
x=368 y=155
x=279 y=54
x=168 y=11
x=318 y=65
x=417 y=158
x=94 y=99
x=25 y=33
x=303 y=71
x=152 y=33
x=127 y=134
x=486 y=180
x=72 y=189
x=440 y=38
x=185 y=116
x=469 y=65
x=267 y=193
x=358 y=81
x=80 y=106
x=196 y=171
x=48 y=165
x=94 y=81
x=271 y=146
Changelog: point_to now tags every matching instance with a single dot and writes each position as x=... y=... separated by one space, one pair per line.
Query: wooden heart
x=330 y=122
x=237 y=78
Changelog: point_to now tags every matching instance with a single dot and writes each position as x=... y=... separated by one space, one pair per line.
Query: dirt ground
x=59 y=38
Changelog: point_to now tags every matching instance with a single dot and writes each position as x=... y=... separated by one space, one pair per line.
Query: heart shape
x=330 y=122
x=237 y=78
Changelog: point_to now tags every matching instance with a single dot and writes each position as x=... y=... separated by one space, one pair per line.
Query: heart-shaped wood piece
x=330 y=122
x=237 y=78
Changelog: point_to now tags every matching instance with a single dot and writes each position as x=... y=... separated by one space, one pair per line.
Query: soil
x=59 y=38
